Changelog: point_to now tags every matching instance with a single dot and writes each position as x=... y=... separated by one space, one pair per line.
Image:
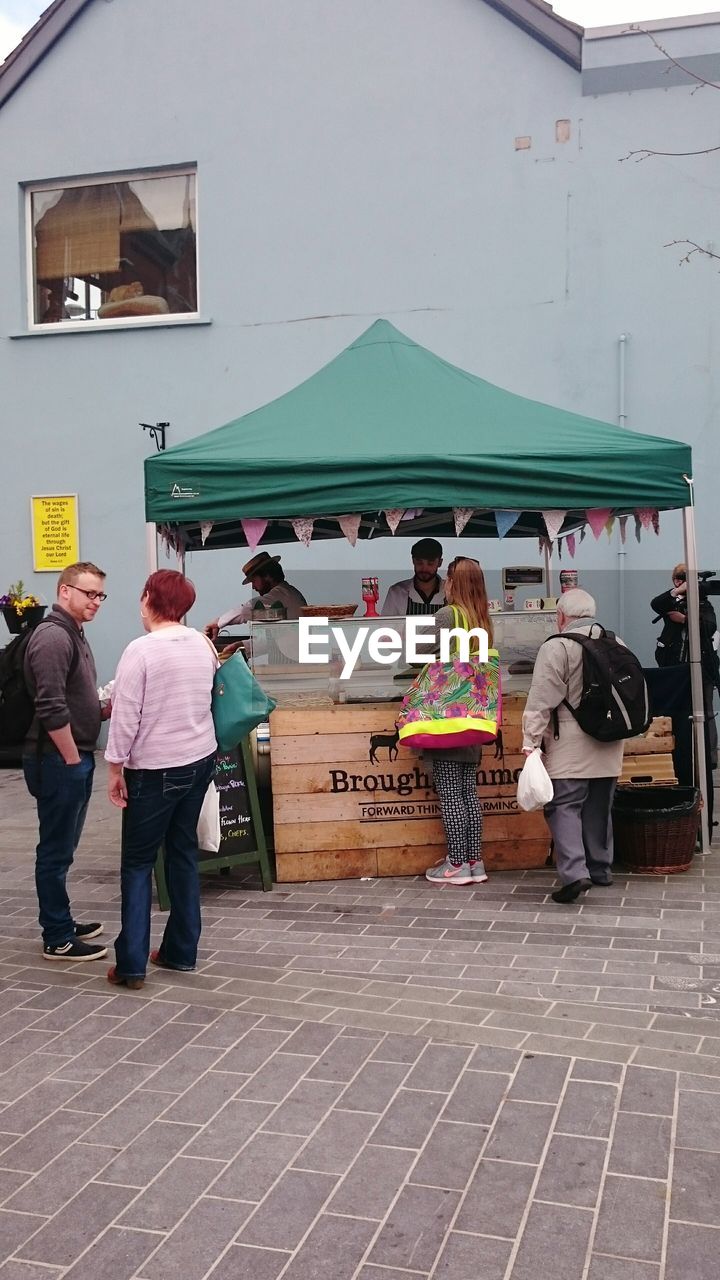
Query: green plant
x=15 y=598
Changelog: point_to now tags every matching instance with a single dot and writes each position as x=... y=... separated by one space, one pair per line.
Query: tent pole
x=151 y=549
x=696 y=683
x=548 y=569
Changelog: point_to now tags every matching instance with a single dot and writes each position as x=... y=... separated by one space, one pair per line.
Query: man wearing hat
x=423 y=593
x=266 y=577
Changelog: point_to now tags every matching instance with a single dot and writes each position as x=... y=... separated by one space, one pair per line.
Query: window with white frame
x=121 y=248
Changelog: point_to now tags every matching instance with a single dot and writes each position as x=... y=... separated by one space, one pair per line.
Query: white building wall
x=355 y=160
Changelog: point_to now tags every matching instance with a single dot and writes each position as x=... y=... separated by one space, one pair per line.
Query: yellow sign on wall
x=56 y=541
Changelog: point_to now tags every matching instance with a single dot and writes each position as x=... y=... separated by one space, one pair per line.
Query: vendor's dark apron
x=415 y=608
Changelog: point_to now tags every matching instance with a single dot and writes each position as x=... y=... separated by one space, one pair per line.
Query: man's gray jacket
x=558 y=675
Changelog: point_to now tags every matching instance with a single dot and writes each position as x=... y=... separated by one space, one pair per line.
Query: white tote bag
x=208 y=828
x=534 y=788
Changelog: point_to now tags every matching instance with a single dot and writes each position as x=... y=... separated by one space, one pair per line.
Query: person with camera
x=672 y=648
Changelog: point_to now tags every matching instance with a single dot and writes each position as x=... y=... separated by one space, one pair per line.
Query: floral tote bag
x=453 y=704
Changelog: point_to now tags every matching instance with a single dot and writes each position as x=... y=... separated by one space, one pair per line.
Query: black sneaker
x=74 y=951
x=87 y=931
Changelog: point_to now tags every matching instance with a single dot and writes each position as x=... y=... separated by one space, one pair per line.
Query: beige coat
x=558 y=675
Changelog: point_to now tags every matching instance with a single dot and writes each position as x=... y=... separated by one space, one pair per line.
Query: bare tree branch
x=694 y=248
x=710 y=84
x=638 y=156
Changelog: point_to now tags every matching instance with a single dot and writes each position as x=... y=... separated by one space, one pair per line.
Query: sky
x=16 y=16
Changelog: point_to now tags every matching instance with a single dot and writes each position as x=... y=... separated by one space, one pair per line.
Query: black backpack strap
x=581 y=640
x=74 y=636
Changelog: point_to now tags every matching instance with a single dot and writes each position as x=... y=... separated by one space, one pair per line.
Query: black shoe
x=84 y=932
x=74 y=951
x=603 y=884
x=569 y=892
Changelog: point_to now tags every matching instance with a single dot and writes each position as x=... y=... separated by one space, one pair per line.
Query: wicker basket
x=656 y=828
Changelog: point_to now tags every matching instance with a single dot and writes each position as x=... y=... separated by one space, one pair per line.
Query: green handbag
x=239 y=704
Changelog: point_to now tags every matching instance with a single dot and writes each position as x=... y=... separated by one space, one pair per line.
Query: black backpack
x=614 y=703
x=17 y=706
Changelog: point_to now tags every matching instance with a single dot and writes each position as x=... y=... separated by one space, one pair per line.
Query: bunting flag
x=544 y=544
x=253 y=529
x=303 y=529
x=205 y=530
x=559 y=548
x=393 y=517
x=571 y=545
x=505 y=520
x=462 y=515
x=610 y=526
x=350 y=526
x=583 y=531
x=623 y=524
x=597 y=518
x=553 y=522
x=645 y=516
x=412 y=513
x=174 y=538
x=638 y=527
x=656 y=521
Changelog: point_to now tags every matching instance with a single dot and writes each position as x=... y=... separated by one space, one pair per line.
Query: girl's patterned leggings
x=460 y=808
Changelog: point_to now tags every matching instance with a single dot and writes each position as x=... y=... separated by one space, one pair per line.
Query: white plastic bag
x=534 y=788
x=208 y=828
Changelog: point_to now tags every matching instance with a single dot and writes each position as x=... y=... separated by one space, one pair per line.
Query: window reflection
x=115 y=250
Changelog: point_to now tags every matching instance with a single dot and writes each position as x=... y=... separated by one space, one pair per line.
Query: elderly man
x=264 y=574
x=584 y=772
x=423 y=593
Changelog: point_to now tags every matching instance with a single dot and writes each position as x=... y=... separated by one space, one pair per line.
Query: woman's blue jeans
x=163 y=809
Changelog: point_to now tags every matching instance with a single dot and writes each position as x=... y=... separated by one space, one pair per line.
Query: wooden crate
x=348 y=801
x=647 y=759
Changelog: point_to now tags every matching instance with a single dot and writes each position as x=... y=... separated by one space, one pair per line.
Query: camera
x=708 y=584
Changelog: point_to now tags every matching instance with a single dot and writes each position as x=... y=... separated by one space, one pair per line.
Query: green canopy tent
x=389 y=425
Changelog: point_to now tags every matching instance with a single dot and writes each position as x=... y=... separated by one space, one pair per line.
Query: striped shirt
x=161 y=714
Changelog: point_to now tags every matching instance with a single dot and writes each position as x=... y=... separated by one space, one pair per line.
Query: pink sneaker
x=446 y=873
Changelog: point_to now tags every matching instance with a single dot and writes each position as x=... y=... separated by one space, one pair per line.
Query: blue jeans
x=163 y=808
x=62 y=794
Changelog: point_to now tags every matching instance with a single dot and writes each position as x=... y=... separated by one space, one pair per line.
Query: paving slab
x=378 y=1080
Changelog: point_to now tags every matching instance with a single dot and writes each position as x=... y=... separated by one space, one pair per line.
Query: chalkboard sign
x=242 y=839
x=237 y=829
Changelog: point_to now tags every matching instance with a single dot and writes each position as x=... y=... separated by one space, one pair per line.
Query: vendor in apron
x=424 y=592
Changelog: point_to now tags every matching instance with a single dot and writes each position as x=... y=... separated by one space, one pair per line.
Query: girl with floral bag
x=455 y=767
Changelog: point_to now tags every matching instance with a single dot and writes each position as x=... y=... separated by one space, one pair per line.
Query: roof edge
x=38 y=41
x=653 y=24
x=539 y=20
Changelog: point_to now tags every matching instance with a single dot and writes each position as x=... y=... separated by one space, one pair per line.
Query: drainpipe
x=622 y=421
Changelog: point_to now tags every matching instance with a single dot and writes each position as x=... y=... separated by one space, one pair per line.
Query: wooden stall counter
x=349 y=801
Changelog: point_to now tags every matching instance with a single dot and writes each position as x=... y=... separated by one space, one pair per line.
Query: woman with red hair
x=161 y=750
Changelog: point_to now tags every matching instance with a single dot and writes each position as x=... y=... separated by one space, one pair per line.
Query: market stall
x=388 y=439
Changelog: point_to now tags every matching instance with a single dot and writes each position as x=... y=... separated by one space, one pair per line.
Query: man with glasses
x=58 y=760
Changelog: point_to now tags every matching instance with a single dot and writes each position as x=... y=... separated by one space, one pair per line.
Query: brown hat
x=256 y=565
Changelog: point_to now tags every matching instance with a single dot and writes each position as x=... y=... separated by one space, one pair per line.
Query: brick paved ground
x=365 y=1081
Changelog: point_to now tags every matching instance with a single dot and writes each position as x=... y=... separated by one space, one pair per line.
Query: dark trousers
x=163 y=808
x=579 y=817
x=62 y=795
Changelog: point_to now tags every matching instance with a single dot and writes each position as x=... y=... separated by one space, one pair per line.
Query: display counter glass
x=292 y=677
